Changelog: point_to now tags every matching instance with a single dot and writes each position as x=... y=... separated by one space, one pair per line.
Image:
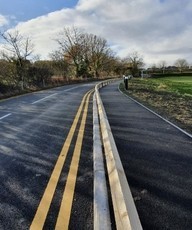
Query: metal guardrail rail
x=101 y=206
x=126 y=216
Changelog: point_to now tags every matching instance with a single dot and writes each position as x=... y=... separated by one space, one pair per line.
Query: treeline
x=171 y=74
x=180 y=67
x=79 y=55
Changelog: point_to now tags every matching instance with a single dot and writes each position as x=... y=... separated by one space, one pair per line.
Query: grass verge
x=164 y=99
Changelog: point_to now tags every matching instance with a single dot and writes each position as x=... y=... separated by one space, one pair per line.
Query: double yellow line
x=66 y=204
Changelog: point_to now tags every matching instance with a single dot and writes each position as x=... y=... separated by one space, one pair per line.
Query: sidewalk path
x=157 y=159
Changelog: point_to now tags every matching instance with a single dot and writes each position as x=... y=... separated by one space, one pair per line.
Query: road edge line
x=169 y=122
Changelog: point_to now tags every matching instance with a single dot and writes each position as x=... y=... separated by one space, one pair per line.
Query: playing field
x=181 y=85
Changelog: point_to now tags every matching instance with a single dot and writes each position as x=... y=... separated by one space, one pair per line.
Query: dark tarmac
x=157 y=159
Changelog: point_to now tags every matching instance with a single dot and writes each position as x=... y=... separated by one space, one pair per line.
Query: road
x=46 y=160
x=42 y=166
x=157 y=160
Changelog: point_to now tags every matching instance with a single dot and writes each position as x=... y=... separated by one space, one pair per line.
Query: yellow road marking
x=66 y=204
x=45 y=203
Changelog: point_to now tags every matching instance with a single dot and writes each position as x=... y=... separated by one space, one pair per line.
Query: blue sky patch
x=24 y=10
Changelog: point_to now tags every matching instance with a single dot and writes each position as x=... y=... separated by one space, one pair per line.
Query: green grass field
x=171 y=97
x=179 y=85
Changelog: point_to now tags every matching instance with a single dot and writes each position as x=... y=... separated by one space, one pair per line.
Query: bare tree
x=87 y=52
x=154 y=68
x=100 y=53
x=71 y=42
x=162 y=66
x=60 y=65
x=181 y=64
x=17 y=49
x=135 y=63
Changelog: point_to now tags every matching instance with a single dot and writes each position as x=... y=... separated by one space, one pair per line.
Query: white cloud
x=158 y=30
x=3 y=21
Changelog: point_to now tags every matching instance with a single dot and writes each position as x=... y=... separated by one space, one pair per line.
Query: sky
x=159 y=30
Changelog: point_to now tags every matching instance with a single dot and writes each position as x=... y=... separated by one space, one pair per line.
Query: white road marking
x=71 y=88
x=52 y=95
x=43 y=98
x=1 y=118
x=183 y=131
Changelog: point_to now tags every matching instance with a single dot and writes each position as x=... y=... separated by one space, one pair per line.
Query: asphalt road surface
x=46 y=160
x=157 y=159
x=42 y=168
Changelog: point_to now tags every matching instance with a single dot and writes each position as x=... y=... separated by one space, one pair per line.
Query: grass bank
x=170 y=97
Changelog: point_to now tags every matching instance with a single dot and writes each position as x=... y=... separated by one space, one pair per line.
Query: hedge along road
x=157 y=161
x=46 y=159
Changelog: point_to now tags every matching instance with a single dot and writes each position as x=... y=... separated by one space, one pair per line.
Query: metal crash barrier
x=125 y=213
